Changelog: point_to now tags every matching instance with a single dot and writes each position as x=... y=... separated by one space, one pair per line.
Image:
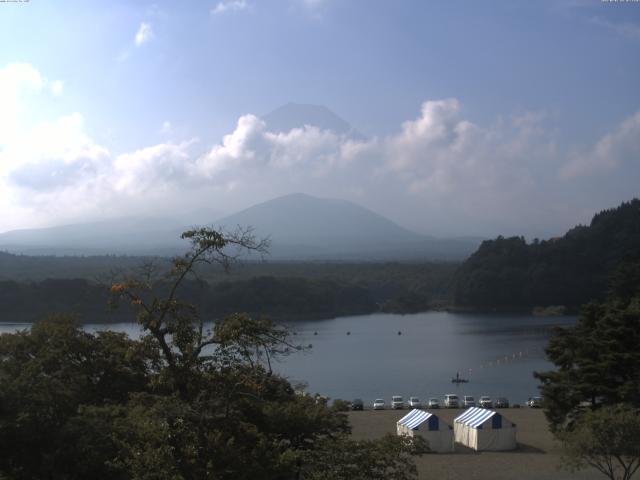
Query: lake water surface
x=497 y=353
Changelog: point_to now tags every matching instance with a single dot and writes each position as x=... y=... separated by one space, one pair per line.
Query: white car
x=414 y=402
x=397 y=403
x=468 y=401
x=433 y=403
x=378 y=404
x=451 y=401
x=485 y=402
x=534 y=402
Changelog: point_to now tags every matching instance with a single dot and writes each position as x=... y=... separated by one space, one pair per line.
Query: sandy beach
x=538 y=456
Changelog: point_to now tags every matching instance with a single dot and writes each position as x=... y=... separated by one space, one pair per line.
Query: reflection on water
x=387 y=354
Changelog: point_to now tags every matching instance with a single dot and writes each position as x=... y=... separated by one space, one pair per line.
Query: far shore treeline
x=505 y=274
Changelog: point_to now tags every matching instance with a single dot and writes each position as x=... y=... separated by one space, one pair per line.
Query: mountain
x=304 y=227
x=571 y=270
x=125 y=235
x=296 y=115
x=300 y=226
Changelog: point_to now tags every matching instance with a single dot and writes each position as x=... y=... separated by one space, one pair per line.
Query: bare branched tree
x=178 y=328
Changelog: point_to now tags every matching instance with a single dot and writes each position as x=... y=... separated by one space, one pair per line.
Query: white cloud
x=435 y=156
x=17 y=80
x=439 y=167
x=229 y=6
x=57 y=88
x=151 y=167
x=626 y=29
x=144 y=34
x=609 y=153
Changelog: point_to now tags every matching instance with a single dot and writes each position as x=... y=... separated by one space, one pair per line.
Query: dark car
x=501 y=402
x=357 y=404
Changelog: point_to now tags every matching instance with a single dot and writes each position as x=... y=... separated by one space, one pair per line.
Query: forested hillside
x=570 y=271
x=279 y=290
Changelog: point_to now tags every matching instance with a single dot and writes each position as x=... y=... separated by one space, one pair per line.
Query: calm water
x=497 y=353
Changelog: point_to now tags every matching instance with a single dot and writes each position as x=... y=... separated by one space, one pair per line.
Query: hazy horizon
x=470 y=119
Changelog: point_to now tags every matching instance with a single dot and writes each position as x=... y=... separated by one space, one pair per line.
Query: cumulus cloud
x=610 y=152
x=439 y=168
x=229 y=6
x=151 y=167
x=434 y=158
x=17 y=80
x=144 y=34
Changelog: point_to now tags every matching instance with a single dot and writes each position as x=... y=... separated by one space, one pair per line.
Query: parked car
x=357 y=404
x=485 y=402
x=502 y=402
x=451 y=401
x=433 y=403
x=534 y=402
x=378 y=404
x=397 y=403
x=414 y=402
x=468 y=401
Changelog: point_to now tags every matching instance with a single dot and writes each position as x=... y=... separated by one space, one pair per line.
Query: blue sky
x=480 y=117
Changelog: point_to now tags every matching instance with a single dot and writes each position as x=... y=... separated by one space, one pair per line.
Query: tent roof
x=474 y=416
x=414 y=418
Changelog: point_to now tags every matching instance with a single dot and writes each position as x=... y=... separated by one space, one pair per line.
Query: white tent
x=438 y=434
x=483 y=429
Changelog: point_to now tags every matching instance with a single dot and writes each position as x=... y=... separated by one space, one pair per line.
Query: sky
x=479 y=118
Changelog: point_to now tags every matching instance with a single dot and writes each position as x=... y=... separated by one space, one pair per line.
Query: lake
x=498 y=353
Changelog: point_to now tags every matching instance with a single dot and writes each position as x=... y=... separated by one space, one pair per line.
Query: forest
x=502 y=275
x=509 y=273
x=280 y=291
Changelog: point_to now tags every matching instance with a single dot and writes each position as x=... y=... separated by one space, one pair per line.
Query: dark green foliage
x=182 y=403
x=411 y=302
x=597 y=360
x=290 y=291
x=389 y=457
x=289 y=298
x=607 y=439
x=509 y=273
x=281 y=298
x=45 y=375
x=75 y=405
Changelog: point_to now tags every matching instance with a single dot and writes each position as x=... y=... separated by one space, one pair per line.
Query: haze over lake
x=373 y=361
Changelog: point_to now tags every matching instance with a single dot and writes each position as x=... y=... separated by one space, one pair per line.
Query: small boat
x=458 y=379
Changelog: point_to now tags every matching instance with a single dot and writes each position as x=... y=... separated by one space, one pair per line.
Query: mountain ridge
x=302 y=227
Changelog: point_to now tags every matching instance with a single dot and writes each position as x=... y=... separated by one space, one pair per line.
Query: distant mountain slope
x=126 y=235
x=571 y=270
x=296 y=115
x=302 y=226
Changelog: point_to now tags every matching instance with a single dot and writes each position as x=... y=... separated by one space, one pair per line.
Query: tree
x=183 y=402
x=389 y=457
x=46 y=374
x=607 y=439
x=597 y=360
x=169 y=321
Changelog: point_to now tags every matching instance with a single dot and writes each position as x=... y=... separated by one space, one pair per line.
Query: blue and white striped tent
x=483 y=429
x=438 y=434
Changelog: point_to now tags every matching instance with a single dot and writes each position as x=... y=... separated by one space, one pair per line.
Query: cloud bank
x=439 y=172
